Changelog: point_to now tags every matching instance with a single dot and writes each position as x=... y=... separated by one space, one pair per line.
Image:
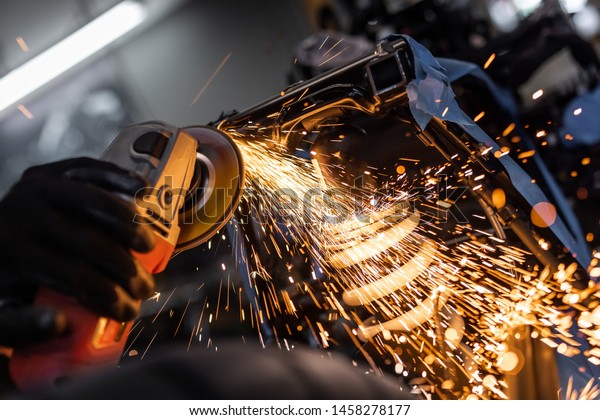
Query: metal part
x=376 y=89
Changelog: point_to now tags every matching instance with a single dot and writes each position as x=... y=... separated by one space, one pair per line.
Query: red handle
x=92 y=343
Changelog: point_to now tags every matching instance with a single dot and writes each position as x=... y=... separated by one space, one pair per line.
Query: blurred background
x=187 y=61
x=155 y=71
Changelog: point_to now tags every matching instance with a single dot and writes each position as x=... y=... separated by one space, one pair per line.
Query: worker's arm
x=63 y=226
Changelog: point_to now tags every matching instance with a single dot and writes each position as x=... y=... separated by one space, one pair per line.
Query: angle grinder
x=195 y=177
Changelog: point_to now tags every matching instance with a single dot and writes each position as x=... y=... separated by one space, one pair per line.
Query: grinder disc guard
x=216 y=189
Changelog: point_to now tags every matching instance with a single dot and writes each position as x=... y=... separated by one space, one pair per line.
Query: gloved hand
x=63 y=227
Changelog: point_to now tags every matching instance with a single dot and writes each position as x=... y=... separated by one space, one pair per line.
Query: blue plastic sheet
x=456 y=69
x=430 y=95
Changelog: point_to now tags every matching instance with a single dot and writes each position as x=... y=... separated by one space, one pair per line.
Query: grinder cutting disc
x=216 y=189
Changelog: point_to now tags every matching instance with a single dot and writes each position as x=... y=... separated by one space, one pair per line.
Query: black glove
x=63 y=227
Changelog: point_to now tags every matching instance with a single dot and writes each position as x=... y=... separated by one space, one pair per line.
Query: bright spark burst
x=431 y=308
